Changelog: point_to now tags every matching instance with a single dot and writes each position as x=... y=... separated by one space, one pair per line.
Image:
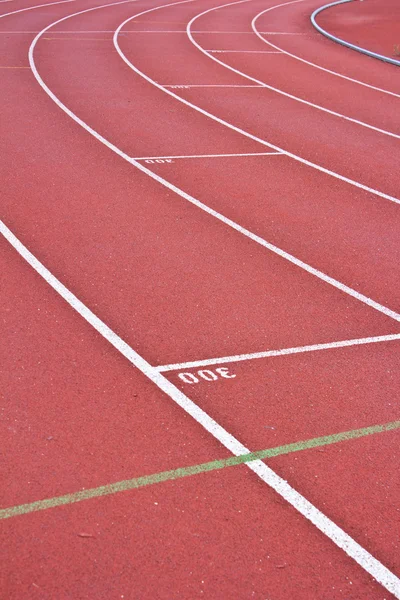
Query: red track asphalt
x=178 y=285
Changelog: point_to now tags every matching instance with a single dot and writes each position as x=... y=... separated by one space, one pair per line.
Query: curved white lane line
x=282 y=352
x=259 y=240
x=14 y=12
x=385 y=577
x=307 y=62
x=274 y=89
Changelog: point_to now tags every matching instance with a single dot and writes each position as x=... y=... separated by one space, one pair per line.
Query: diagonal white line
x=14 y=12
x=211 y=85
x=208 y=156
x=321 y=521
x=265 y=473
x=283 y=352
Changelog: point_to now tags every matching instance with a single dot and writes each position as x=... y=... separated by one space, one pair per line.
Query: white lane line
x=14 y=12
x=93 y=30
x=265 y=473
x=285 y=33
x=208 y=156
x=282 y=352
x=162 y=31
x=307 y=62
x=244 y=51
x=210 y=85
x=245 y=133
x=308 y=510
x=270 y=87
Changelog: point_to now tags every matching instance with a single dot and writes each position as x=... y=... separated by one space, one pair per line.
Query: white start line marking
x=170 y=159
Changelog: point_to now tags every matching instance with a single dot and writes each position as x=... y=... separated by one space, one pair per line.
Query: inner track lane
x=318 y=52
x=335 y=142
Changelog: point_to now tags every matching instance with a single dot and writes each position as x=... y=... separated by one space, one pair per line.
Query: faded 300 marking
x=206 y=375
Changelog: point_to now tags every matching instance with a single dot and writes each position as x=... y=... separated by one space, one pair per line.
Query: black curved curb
x=392 y=61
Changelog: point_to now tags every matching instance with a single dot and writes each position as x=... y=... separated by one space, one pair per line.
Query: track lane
x=8 y=7
x=318 y=50
x=96 y=95
x=122 y=258
x=320 y=133
x=75 y=414
x=346 y=236
x=177 y=541
x=365 y=478
x=307 y=592
x=286 y=76
x=198 y=186
x=381 y=579
x=289 y=341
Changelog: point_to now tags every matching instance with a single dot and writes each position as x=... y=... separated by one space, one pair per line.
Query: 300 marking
x=206 y=375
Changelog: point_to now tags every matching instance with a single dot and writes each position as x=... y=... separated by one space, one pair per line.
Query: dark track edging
x=343 y=42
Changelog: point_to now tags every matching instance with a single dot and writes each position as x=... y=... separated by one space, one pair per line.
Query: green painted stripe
x=138 y=482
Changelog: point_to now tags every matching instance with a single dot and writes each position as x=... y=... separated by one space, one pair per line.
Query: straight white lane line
x=146 y=31
x=307 y=62
x=208 y=85
x=209 y=156
x=270 y=87
x=244 y=52
x=241 y=131
x=370 y=564
x=321 y=521
x=282 y=352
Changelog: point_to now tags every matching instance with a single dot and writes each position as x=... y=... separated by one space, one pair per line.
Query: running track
x=199 y=259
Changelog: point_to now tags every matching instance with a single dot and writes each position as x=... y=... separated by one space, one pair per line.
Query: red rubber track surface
x=373 y=24
x=179 y=285
x=314 y=47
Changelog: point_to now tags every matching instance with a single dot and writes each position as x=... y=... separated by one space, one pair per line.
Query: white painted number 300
x=206 y=375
